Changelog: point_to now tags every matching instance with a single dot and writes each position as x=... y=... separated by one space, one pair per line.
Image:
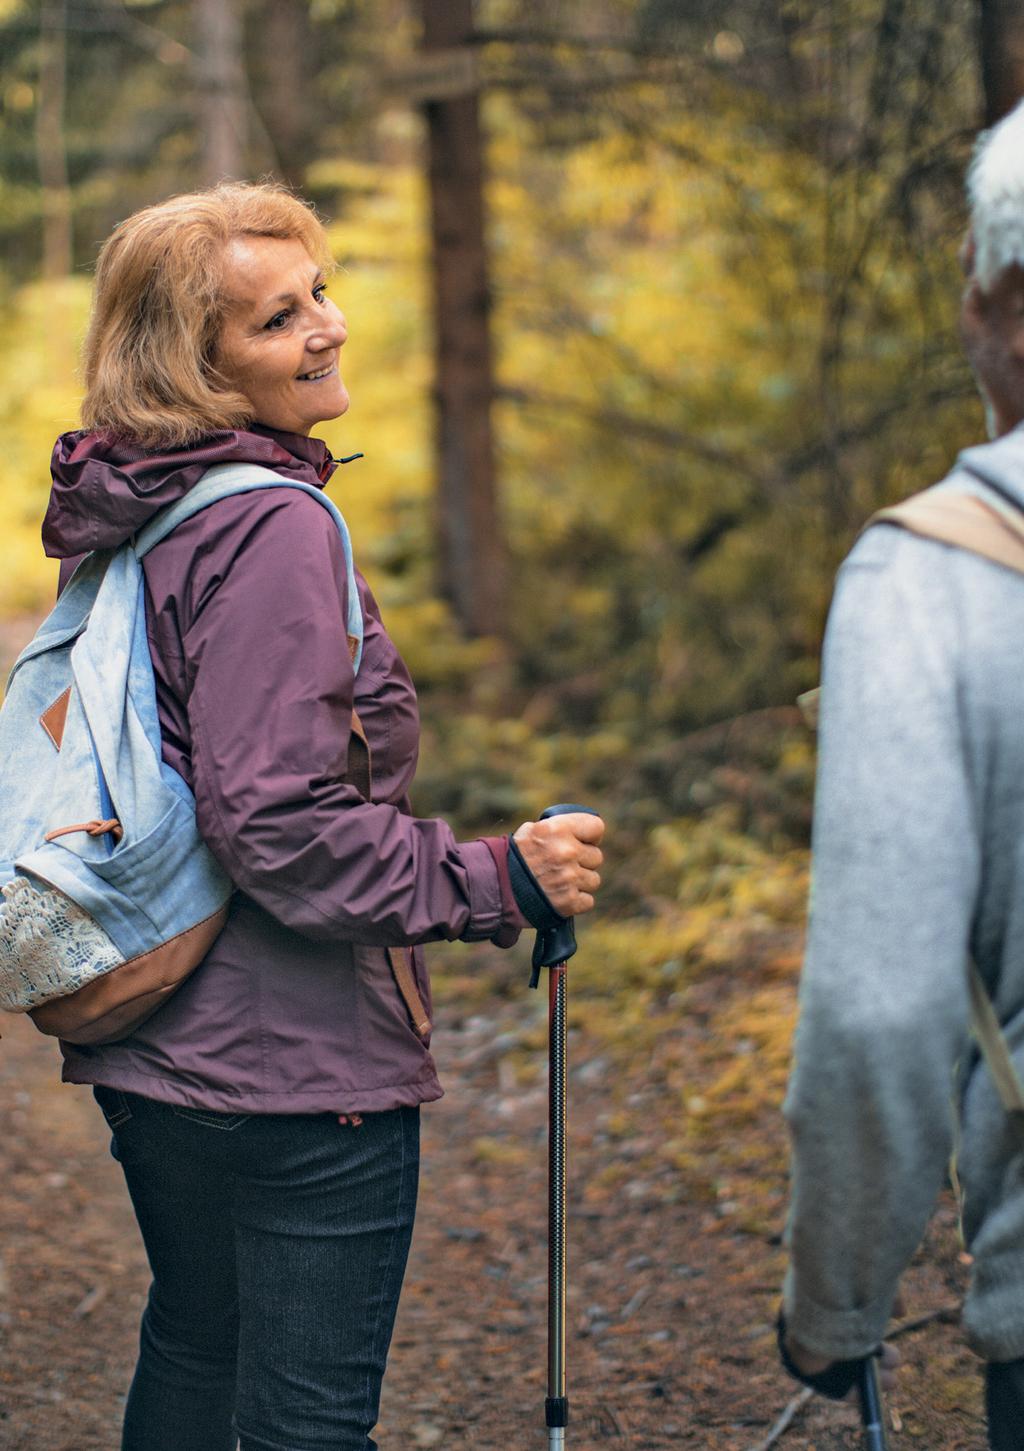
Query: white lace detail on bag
x=49 y=946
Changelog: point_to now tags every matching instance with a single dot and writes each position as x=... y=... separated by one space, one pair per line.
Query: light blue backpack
x=108 y=896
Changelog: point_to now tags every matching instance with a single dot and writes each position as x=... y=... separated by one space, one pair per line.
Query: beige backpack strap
x=994 y=1049
x=963 y=520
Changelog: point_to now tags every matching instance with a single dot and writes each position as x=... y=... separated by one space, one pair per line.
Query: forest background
x=684 y=273
x=707 y=255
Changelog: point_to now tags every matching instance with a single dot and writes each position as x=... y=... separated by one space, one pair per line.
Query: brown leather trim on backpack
x=360 y=765
x=114 y=1005
x=401 y=966
x=94 y=828
x=360 y=761
x=54 y=717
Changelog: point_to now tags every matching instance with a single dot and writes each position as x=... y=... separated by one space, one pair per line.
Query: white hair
x=995 y=190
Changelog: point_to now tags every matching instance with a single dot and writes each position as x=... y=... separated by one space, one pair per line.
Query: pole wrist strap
x=531 y=899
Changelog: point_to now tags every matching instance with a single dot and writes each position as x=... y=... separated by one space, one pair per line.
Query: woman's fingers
x=888 y=1366
x=563 y=855
x=583 y=825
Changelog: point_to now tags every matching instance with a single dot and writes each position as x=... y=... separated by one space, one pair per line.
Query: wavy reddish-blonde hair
x=158 y=308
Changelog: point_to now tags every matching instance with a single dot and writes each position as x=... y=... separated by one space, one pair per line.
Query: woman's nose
x=330 y=332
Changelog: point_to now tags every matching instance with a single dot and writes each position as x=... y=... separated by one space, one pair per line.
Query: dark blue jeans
x=1004 y=1402
x=277 y=1244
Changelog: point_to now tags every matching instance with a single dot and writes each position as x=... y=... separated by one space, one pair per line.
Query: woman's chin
x=327 y=408
x=338 y=404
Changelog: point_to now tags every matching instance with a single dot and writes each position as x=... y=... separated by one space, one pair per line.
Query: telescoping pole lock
x=553 y=949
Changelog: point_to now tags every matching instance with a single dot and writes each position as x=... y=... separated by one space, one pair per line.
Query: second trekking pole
x=871 y=1411
x=553 y=948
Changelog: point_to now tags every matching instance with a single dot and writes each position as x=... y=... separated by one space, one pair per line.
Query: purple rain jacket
x=296 y=1008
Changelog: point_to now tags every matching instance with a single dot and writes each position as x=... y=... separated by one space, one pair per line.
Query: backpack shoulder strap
x=963 y=520
x=224 y=480
x=219 y=482
x=994 y=1047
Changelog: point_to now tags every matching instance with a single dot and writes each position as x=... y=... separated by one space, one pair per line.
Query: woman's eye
x=320 y=292
x=277 y=321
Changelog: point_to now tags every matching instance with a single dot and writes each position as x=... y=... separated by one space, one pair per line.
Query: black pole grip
x=556 y=944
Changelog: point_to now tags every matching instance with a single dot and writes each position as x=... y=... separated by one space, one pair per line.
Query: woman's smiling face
x=281 y=336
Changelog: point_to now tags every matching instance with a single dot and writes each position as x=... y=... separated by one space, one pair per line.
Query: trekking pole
x=553 y=948
x=871 y=1410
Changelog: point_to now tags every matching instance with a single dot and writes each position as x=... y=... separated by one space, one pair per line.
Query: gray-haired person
x=919 y=865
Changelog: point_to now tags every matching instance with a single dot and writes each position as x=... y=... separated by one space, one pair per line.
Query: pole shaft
x=556 y=1186
x=872 y=1411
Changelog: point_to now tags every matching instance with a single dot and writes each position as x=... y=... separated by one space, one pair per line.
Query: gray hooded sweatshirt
x=918 y=862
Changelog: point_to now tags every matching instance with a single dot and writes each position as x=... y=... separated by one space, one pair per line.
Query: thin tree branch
x=773 y=481
x=812 y=455
x=944 y=1313
x=787 y=1418
x=644 y=429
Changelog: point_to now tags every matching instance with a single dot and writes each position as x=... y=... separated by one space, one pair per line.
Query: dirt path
x=673 y=1285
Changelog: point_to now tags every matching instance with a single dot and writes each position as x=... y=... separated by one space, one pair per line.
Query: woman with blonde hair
x=266 y=1117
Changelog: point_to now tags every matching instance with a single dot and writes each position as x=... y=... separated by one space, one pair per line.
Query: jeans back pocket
x=210 y=1119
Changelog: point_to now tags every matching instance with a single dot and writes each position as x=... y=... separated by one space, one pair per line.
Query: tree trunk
x=221 y=88
x=471 y=546
x=1002 y=56
x=284 y=45
x=51 y=148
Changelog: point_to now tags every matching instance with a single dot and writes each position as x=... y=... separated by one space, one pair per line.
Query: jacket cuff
x=494 y=914
x=835 y=1381
x=837 y=1334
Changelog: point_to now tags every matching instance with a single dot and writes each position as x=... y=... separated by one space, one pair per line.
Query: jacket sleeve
x=884 y=1002
x=271 y=691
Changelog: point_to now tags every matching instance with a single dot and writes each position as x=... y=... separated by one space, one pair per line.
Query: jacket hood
x=105 y=489
x=1000 y=464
